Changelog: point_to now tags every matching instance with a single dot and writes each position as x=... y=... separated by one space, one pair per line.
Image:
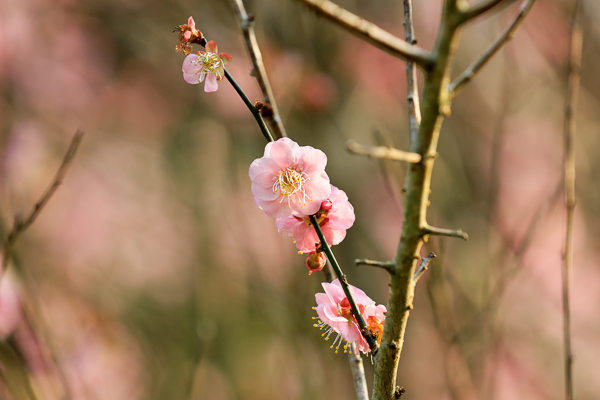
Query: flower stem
x=345 y=286
x=259 y=119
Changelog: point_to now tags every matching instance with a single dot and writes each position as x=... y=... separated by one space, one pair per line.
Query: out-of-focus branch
x=412 y=91
x=479 y=7
x=431 y=230
x=570 y=106
x=358 y=373
x=371 y=33
x=247 y=24
x=423 y=267
x=387 y=265
x=383 y=152
x=21 y=224
x=468 y=75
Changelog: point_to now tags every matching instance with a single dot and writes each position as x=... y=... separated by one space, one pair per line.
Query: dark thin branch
x=468 y=75
x=570 y=106
x=480 y=7
x=259 y=119
x=412 y=91
x=247 y=24
x=458 y=233
x=387 y=265
x=423 y=267
x=20 y=225
x=345 y=286
x=371 y=33
x=383 y=152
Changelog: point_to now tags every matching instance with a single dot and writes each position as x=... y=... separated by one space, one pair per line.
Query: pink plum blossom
x=289 y=179
x=335 y=216
x=188 y=34
x=209 y=64
x=335 y=316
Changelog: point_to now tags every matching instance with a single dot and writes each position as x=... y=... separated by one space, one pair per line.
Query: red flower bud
x=315 y=261
x=326 y=205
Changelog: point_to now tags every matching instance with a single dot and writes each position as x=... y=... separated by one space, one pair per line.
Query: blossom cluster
x=289 y=183
x=335 y=316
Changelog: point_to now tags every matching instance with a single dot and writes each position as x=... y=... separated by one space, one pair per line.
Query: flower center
x=290 y=182
x=210 y=62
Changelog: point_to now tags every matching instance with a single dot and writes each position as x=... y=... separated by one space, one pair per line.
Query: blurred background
x=151 y=274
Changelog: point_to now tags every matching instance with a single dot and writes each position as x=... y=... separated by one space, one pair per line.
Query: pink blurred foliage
x=98 y=357
x=318 y=92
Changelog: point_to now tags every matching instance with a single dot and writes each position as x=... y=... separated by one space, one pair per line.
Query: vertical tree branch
x=570 y=106
x=414 y=108
x=358 y=374
x=247 y=24
x=435 y=105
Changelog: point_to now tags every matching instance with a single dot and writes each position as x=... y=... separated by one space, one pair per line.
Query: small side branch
x=371 y=33
x=423 y=267
x=388 y=153
x=358 y=374
x=430 y=230
x=412 y=91
x=345 y=286
x=247 y=24
x=387 y=265
x=570 y=106
x=479 y=7
x=20 y=224
x=468 y=75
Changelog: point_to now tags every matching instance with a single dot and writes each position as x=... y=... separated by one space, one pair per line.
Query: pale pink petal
x=283 y=154
x=187 y=35
x=262 y=187
x=274 y=209
x=261 y=165
x=219 y=73
x=287 y=224
x=211 y=84
x=321 y=298
x=211 y=47
x=314 y=161
x=317 y=190
x=191 y=23
x=333 y=236
x=225 y=57
x=191 y=69
x=334 y=291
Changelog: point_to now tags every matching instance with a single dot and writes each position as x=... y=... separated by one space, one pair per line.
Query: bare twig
x=383 y=152
x=412 y=91
x=371 y=33
x=570 y=106
x=431 y=230
x=468 y=75
x=387 y=265
x=479 y=7
x=20 y=225
x=247 y=24
x=423 y=267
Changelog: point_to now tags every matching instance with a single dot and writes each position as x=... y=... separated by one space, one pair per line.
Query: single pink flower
x=335 y=316
x=209 y=64
x=335 y=216
x=289 y=178
x=188 y=34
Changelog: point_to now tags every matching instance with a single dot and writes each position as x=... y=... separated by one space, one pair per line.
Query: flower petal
x=261 y=165
x=212 y=47
x=225 y=57
x=313 y=161
x=277 y=208
x=283 y=154
x=262 y=187
x=211 y=84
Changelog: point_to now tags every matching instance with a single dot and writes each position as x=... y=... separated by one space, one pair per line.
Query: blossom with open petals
x=209 y=64
x=335 y=316
x=289 y=178
x=335 y=216
x=188 y=34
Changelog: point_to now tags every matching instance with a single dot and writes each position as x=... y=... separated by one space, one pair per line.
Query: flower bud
x=326 y=205
x=315 y=261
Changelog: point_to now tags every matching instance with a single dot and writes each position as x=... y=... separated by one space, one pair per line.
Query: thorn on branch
x=386 y=152
x=458 y=233
x=423 y=267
